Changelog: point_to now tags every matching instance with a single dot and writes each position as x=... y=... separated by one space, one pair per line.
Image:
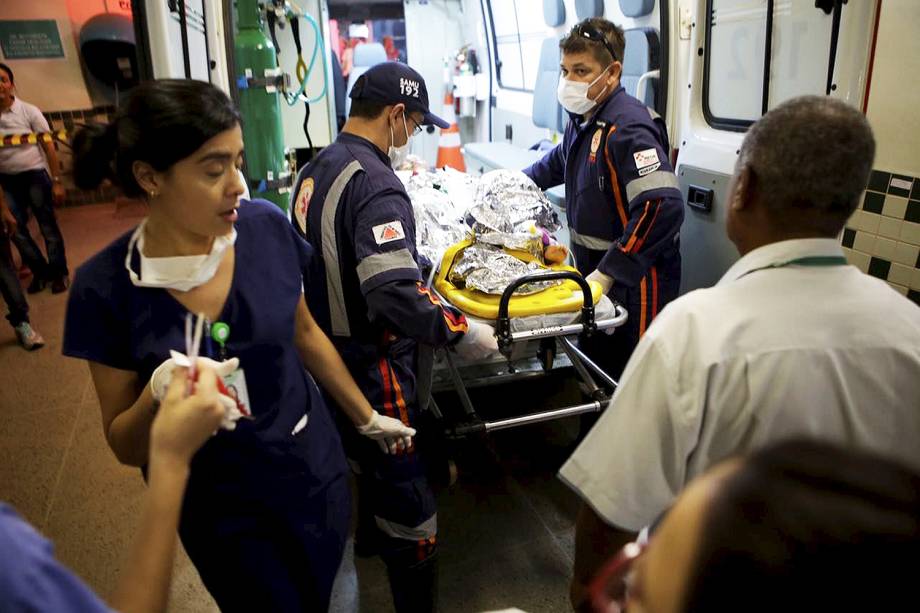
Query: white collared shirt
x=22 y=118
x=766 y=354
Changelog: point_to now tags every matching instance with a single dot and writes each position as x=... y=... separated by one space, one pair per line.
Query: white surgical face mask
x=398 y=155
x=573 y=95
x=180 y=273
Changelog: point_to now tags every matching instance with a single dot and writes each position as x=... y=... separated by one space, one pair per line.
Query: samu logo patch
x=302 y=204
x=596 y=143
x=389 y=232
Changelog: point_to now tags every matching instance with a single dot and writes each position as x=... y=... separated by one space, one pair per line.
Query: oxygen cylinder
x=256 y=59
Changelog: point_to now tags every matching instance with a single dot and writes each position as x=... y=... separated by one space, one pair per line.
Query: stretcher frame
x=497 y=371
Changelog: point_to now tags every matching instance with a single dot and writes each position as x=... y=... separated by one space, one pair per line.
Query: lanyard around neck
x=812 y=261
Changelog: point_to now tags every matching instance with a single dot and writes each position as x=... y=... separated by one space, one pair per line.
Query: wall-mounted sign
x=30 y=39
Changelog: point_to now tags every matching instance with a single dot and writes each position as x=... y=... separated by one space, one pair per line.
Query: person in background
x=622 y=198
x=389 y=46
x=33 y=183
x=801 y=526
x=267 y=509
x=31 y=579
x=350 y=205
x=10 y=288
x=791 y=341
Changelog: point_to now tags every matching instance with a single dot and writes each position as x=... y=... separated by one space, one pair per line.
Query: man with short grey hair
x=791 y=342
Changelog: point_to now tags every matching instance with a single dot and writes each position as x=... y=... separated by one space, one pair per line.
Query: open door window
x=763 y=53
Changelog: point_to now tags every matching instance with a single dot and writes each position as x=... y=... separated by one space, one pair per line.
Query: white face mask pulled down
x=573 y=95
x=181 y=273
x=398 y=155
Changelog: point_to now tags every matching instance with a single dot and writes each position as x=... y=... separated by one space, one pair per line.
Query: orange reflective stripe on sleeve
x=628 y=246
x=648 y=228
x=654 y=292
x=455 y=323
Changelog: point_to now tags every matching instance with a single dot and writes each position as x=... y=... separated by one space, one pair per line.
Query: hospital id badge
x=235 y=383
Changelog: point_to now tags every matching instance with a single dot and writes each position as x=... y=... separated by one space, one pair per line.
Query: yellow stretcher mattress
x=566 y=297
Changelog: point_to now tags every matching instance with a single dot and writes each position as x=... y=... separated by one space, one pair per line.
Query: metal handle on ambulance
x=642 y=83
x=503 y=323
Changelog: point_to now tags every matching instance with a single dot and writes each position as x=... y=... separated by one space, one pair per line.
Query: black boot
x=413 y=582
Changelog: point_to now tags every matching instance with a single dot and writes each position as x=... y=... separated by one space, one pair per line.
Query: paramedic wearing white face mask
x=622 y=199
x=350 y=205
x=257 y=482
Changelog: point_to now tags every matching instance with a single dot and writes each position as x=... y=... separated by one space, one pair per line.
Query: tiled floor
x=505 y=527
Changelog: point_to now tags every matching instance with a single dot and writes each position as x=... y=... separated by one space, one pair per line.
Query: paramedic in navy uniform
x=622 y=199
x=266 y=512
x=350 y=205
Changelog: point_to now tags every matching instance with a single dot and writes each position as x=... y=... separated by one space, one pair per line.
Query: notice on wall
x=30 y=39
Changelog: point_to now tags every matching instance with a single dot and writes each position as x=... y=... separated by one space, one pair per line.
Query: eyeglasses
x=609 y=591
x=417 y=129
x=595 y=36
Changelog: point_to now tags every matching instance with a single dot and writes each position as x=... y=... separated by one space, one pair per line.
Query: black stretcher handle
x=503 y=324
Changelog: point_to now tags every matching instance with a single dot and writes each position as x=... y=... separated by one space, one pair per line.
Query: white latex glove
x=159 y=380
x=391 y=434
x=478 y=343
x=161 y=377
x=605 y=281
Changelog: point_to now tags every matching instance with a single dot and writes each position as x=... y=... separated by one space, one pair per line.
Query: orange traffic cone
x=449 y=143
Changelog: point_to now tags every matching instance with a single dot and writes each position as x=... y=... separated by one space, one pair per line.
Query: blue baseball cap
x=396 y=83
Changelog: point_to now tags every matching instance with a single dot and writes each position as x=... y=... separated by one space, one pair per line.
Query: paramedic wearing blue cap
x=351 y=206
x=622 y=198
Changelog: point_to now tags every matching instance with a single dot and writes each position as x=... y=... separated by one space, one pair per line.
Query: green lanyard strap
x=812 y=260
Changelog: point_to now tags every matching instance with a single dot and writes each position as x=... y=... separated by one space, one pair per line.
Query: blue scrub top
x=31 y=578
x=113 y=322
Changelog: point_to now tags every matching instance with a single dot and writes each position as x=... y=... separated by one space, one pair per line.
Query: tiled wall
x=882 y=237
x=70 y=121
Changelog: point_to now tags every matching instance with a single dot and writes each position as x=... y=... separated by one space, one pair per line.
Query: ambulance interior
x=708 y=67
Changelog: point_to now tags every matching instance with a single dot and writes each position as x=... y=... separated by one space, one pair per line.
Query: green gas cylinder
x=263 y=136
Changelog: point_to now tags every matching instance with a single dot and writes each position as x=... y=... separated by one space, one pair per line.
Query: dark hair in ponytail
x=161 y=123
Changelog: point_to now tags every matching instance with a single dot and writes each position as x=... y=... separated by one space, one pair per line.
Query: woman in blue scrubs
x=267 y=508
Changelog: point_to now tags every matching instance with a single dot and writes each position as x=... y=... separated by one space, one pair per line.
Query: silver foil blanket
x=508 y=201
x=490 y=270
x=440 y=199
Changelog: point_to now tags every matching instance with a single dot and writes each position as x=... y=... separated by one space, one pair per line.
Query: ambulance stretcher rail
x=503 y=323
x=581 y=362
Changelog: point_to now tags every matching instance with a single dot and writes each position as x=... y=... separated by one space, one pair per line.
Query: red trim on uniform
x=425 y=547
x=634 y=237
x=643 y=306
x=614 y=182
x=648 y=231
x=400 y=401
x=654 y=292
x=455 y=322
x=384 y=367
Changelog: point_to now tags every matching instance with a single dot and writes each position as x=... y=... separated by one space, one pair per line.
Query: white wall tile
x=906 y=253
x=885 y=248
x=910 y=233
x=895 y=206
x=871 y=222
x=890 y=228
x=865 y=242
x=899 y=288
x=857 y=259
x=900 y=274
